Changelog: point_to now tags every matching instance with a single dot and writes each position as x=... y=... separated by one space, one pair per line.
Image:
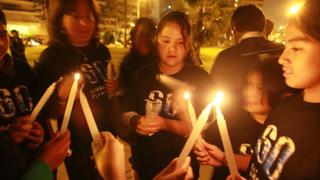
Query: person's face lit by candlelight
x=79 y=24
x=301 y=59
x=171 y=47
x=255 y=99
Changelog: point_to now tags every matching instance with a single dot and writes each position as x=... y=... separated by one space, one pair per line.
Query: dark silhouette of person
x=142 y=50
x=232 y=64
x=17 y=47
x=268 y=28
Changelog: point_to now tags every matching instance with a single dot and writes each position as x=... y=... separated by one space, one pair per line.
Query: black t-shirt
x=153 y=154
x=60 y=59
x=289 y=146
x=244 y=132
x=16 y=98
x=132 y=62
x=17 y=92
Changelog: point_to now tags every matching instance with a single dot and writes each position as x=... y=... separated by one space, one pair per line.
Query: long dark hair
x=273 y=82
x=182 y=20
x=148 y=24
x=57 y=9
x=308 y=19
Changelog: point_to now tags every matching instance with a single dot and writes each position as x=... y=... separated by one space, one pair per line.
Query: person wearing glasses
x=74 y=47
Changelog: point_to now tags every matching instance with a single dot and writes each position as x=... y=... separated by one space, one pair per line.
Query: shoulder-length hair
x=57 y=9
x=182 y=20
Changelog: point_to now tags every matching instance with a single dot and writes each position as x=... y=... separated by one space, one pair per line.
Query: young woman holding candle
x=158 y=141
x=74 y=47
x=264 y=88
x=289 y=146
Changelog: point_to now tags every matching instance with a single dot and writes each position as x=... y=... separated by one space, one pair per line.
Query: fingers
x=189 y=174
x=109 y=138
x=182 y=172
x=112 y=86
x=142 y=126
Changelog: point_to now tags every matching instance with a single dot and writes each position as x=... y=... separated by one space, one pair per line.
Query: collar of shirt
x=250 y=35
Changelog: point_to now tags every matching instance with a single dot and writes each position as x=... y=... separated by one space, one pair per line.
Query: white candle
x=191 y=111
x=70 y=102
x=90 y=119
x=110 y=71
x=110 y=75
x=193 y=117
x=172 y=83
x=195 y=133
x=43 y=100
x=225 y=137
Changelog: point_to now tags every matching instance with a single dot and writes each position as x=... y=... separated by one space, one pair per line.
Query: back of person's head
x=248 y=18
x=268 y=27
x=147 y=24
x=14 y=31
x=307 y=20
x=142 y=35
x=3 y=18
x=57 y=9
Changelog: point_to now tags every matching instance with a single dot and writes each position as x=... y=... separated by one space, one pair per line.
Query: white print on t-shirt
x=272 y=153
x=246 y=149
x=157 y=95
x=19 y=100
x=94 y=74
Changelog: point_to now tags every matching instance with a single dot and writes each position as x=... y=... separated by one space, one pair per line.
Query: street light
x=294 y=9
x=138 y=8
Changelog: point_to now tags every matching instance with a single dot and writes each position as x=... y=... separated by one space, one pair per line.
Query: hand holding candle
x=70 y=103
x=195 y=133
x=111 y=82
x=152 y=108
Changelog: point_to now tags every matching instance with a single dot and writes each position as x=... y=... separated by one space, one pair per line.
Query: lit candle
x=70 y=102
x=225 y=136
x=43 y=100
x=194 y=135
x=191 y=111
x=90 y=119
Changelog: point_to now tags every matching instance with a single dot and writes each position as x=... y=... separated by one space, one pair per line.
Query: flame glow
x=187 y=95
x=76 y=76
x=218 y=99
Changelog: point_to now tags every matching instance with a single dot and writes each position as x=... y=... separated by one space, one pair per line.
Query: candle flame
x=187 y=95
x=218 y=99
x=76 y=76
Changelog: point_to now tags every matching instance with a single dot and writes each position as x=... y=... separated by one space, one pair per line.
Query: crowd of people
x=272 y=109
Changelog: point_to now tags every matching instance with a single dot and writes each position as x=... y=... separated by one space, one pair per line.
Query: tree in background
x=210 y=21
